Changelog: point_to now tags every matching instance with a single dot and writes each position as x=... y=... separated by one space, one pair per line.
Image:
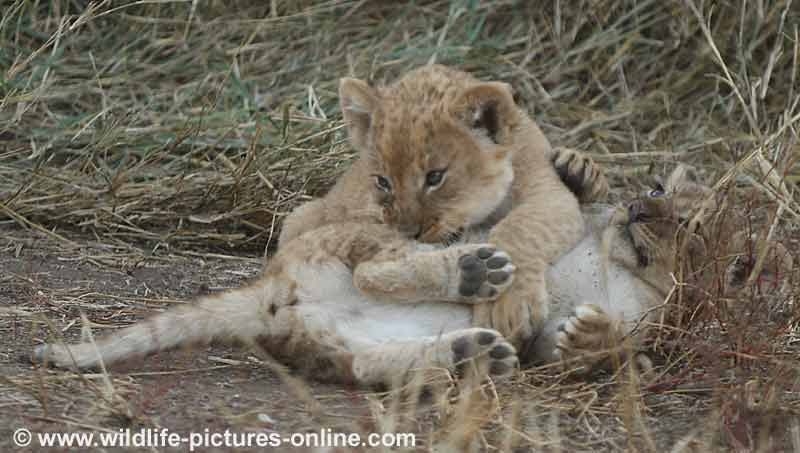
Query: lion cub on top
x=441 y=152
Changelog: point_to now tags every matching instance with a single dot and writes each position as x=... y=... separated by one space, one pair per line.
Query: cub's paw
x=481 y=353
x=585 y=338
x=484 y=273
x=737 y=272
x=775 y=273
x=580 y=174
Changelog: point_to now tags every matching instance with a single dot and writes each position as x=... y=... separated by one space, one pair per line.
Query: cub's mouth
x=454 y=236
x=437 y=233
x=637 y=213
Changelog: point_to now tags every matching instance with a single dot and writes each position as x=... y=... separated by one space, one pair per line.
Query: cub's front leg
x=535 y=233
x=544 y=223
x=472 y=273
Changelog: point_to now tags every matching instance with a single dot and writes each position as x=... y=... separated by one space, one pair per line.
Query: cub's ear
x=358 y=102
x=488 y=109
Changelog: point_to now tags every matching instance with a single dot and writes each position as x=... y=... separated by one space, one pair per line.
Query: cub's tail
x=231 y=316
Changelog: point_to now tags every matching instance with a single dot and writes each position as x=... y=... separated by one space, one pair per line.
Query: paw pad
x=484 y=351
x=485 y=273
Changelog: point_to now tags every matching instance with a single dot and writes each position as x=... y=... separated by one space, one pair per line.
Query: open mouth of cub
x=636 y=212
x=636 y=215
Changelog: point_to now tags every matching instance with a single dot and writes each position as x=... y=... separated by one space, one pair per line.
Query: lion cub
x=616 y=282
x=442 y=152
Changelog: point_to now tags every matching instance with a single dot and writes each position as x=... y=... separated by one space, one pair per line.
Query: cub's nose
x=411 y=230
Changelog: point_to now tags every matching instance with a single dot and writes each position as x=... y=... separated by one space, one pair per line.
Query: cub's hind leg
x=472 y=352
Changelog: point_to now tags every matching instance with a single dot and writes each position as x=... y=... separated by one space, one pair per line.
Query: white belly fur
x=577 y=278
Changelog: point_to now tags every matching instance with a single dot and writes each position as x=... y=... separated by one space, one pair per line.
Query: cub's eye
x=382 y=183
x=655 y=193
x=434 y=178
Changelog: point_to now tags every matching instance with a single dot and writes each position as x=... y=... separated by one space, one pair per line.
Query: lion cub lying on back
x=306 y=310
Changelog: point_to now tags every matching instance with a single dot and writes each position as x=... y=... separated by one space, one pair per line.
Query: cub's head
x=663 y=224
x=438 y=147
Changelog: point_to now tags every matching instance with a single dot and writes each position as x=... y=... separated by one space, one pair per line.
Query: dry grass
x=184 y=129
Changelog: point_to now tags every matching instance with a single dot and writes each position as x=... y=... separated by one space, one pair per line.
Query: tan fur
x=497 y=174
